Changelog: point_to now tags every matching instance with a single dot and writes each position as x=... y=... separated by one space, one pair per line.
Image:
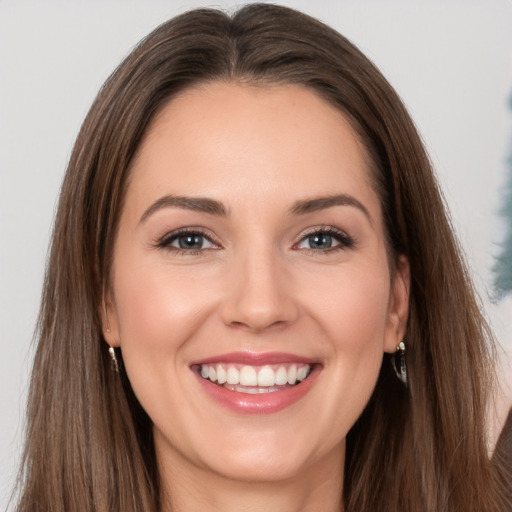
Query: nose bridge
x=258 y=294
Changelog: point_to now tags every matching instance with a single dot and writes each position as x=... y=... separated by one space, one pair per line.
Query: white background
x=451 y=61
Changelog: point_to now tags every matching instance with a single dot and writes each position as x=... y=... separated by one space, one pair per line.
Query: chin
x=260 y=467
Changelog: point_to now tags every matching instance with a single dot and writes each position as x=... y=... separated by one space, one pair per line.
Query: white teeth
x=292 y=374
x=221 y=375
x=261 y=378
x=281 y=376
x=251 y=390
x=233 y=376
x=266 y=376
x=248 y=376
x=302 y=373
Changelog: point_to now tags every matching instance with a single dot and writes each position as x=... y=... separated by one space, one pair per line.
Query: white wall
x=451 y=61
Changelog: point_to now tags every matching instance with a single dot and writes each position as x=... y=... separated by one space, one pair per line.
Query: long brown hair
x=89 y=444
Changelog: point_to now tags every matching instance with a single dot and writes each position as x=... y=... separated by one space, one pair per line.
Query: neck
x=187 y=487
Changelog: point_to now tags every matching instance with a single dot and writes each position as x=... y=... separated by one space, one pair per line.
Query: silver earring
x=398 y=363
x=113 y=358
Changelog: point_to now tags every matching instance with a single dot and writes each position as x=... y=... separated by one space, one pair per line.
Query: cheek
x=353 y=315
x=158 y=310
x=353 y=308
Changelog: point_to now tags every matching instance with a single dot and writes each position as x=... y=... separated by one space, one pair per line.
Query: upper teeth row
x=251 y=376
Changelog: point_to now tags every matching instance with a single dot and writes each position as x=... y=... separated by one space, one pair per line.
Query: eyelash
x=166 y=241
x=344 y=241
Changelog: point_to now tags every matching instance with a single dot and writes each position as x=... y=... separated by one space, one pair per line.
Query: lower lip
x=264 y=403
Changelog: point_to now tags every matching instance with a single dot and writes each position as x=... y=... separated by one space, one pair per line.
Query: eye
x=187 y=240
x=318 y=241
x=325 y=239
x=190 y=241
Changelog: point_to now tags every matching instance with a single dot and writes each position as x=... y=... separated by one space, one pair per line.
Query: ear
x=398 y=311
x=109 y=323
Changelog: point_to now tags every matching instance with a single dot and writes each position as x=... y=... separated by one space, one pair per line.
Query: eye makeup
x=324 y=239
x=195 y=240
x=188 y=241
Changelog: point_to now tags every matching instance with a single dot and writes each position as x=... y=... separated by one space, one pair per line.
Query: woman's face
x=251 y=293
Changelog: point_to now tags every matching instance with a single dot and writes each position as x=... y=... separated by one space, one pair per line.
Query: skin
x=258 y=286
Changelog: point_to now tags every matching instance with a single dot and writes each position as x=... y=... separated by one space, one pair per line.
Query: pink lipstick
x=249 y=383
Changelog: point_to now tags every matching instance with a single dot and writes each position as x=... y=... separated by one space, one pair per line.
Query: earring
x=398 y=363
x=113 y=358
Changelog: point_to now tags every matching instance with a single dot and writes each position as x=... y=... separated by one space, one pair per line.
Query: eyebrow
x=214 y=207
x=198 y=204
x=321 y=203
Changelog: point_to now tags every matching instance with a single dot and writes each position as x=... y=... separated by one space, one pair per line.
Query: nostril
x=257 y=292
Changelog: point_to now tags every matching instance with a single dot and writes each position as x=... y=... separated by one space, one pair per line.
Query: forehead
x=222 y=138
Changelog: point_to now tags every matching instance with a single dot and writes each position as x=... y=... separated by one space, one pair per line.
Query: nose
x=258 y=294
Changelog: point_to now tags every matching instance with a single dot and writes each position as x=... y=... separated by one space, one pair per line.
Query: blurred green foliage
x=503 y=264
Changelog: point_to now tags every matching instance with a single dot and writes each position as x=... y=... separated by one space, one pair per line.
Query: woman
x=254 y=299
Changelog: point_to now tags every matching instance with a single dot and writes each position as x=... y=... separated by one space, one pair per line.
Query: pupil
x=320 y=241
x=191 y=242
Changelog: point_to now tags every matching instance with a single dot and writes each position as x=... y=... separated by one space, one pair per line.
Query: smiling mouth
x=255 y=379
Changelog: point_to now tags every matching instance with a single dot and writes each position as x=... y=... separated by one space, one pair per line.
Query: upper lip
x=255 y=359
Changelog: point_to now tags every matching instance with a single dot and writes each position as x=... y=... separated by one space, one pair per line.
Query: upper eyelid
x=346 y=240
x=322 y=229
x=172 y=235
